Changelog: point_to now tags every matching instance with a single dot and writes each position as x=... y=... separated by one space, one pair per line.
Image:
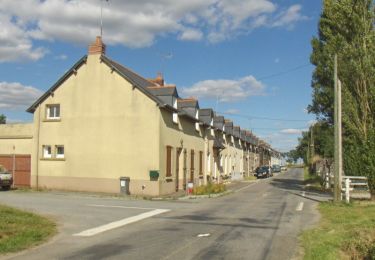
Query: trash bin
x=124 y=185
x=190 y=187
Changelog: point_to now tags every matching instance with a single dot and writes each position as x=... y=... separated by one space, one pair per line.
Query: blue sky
x=247 y=59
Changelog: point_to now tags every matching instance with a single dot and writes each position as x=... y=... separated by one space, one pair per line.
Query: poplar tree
x=346 y=28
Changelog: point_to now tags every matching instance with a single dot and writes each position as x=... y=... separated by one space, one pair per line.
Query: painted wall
x=16 y=138
x=108 y=128
x=182 y=136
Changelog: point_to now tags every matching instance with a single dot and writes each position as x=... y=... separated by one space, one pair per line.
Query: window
x=53 y=111
x=47 y=151
x=60 y=152
x=169 y=161
x=200 y=163
x=197 y=124
x=175 y=115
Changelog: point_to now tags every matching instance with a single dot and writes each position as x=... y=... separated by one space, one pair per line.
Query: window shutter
x=169 y=161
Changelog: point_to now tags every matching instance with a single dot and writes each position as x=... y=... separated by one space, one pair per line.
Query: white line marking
x=264 y=195
x=204 y=235
x=299 y=206
x=113 y=206
x=120 y=223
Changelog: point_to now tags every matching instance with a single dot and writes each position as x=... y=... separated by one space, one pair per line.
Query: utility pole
x=337 y=156
x=339 y=126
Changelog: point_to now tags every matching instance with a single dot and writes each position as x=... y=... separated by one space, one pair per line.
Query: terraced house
x=101 y=121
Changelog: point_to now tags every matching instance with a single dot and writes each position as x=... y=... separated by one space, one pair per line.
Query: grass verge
x=250 y=178
x=20 y=230
x=312 y=181
x=211 y=188
x=346 y=231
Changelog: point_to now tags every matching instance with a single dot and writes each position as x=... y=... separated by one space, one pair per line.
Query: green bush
x=210 y=188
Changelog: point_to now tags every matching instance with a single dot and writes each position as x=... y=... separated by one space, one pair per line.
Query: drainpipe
x=37 y=150
x=14 y=165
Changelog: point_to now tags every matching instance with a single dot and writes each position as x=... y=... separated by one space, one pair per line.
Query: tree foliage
x=3 y=119
x=346 y=28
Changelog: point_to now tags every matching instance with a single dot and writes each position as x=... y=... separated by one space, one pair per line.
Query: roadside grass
x=312 y=181
x=20 y=230
x=250 y=178
x=346 y=231
x=210 y=188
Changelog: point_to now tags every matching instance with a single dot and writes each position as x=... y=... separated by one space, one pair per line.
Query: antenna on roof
x=101 y=17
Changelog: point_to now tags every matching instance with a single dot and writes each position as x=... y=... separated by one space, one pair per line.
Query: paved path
x=260 y=221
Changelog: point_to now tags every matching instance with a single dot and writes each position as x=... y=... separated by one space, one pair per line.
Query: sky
x=246 y=59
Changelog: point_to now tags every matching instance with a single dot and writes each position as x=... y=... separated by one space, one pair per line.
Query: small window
x=60 y=151
x=47 y=151
x=53 y=111
x=175 y=115
x=197 y=124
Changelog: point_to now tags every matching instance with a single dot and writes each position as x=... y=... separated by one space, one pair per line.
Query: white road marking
x=120 y=223
x=121 y=207
x=264 y=195
x=299 y=206
x=204 y=235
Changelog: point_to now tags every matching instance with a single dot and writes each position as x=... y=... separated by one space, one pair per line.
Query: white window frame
x=55 y=110
x=196 y=117
x=47 y=151
x=60 y=155
x=175 y=115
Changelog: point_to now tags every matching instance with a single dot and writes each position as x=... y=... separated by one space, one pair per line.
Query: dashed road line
x=119 y=223
x=245 y=187
x=299 y=206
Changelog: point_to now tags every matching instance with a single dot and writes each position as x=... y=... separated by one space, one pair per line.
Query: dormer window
x=175 y=115
x=53 y=111
x=196 y=117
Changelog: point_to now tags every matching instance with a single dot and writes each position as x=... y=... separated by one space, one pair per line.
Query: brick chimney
x=97 y=47
x=158 y=80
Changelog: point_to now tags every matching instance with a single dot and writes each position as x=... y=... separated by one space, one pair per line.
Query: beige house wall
x=184 y=136
x=108 y=128
x=16 y=138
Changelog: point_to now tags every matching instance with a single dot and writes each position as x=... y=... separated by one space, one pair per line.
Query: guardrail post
x=347 y=188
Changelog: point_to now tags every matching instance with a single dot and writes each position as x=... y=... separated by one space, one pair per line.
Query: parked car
x=263 y=172
x=6 y=179
x=276 y=168
x=283 y=168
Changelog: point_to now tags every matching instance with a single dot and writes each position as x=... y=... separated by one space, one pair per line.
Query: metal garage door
x=20 y=166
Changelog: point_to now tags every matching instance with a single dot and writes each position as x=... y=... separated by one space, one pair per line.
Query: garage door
x=22 y=168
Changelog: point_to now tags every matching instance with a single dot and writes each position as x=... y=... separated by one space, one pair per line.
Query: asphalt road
x=258 y=221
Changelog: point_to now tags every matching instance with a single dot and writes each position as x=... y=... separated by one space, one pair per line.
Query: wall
x=108 y=128
x=16 y=138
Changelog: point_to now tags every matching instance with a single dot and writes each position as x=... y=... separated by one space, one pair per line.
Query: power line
x=264 y=118
x=284 y=72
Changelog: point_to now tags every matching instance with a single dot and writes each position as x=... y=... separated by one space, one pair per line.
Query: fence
x=355 y=187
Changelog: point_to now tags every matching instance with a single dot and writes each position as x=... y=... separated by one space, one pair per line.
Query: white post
x=327 y=181
x=347 y=192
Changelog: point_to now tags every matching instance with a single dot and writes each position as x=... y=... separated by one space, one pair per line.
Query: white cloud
x=61 y=57
x=292 y=131
x=15 y=44
x=232 y=111
x=132 y=23
x=191 y=35
x=226 y=90
x=289 y=17
x=15 y=96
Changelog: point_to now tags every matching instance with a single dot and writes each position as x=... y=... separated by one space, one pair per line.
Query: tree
x=3 y=119
x=346 y=28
